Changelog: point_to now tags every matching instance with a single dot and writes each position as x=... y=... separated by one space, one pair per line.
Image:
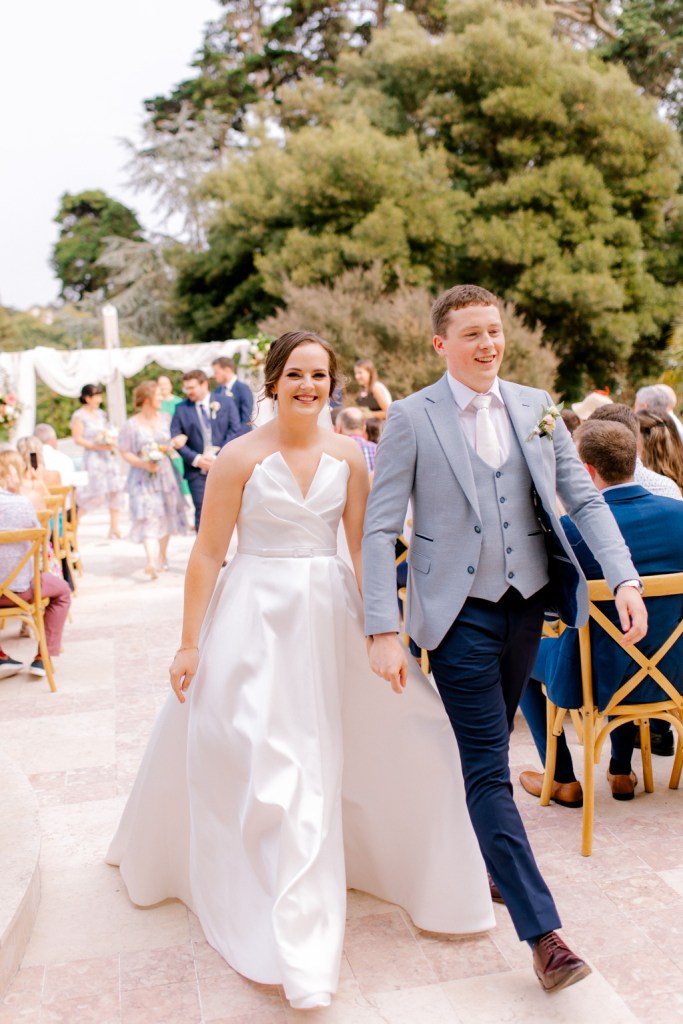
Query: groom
x=477 y=456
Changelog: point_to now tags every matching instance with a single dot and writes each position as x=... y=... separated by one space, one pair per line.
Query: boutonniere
x=547 y=423
x=214 y=407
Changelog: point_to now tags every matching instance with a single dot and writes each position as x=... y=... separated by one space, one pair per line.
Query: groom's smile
x=473 y=345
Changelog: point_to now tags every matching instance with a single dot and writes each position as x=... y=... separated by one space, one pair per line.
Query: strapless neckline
x=303 y=498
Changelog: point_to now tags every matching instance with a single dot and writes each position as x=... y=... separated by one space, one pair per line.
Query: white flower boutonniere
x=214 y=407
x=547 y=423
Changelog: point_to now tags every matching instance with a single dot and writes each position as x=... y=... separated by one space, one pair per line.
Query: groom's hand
x=388 y=659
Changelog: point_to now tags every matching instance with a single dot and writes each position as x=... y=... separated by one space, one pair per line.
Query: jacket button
x=502 y=501
x=470 y=569
x=498 y=474
x=477 y=529
x=509 y=550
x=511 y=575
x=505 y=526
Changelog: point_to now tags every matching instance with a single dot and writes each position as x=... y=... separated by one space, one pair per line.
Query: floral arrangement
x=547 y=423
x=107 y=436
x=153 y=452
x=9 y=406
x=256 y=353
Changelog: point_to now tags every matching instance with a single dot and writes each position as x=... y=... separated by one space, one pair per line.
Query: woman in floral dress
x=157 y=507
x=90 y=430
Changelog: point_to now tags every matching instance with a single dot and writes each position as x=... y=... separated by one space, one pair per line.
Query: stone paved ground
x=93 y=957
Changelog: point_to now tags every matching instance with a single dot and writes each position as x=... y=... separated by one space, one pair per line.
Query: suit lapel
x=524 y=415
x=442 y=411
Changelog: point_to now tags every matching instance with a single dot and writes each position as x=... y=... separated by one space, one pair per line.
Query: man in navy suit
x=228 y=384
x=208 y=422
x=652 y=527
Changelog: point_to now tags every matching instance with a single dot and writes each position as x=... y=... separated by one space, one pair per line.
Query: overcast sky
x=73 y=75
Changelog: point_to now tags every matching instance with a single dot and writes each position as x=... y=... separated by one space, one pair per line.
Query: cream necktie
x=485 y=437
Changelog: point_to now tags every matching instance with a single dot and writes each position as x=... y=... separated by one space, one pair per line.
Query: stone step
x=19 y=870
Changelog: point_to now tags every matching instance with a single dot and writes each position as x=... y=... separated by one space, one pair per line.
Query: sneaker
x=9 y=667
x=37 y=668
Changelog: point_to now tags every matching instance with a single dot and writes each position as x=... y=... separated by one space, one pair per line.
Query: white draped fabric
x=67 y=372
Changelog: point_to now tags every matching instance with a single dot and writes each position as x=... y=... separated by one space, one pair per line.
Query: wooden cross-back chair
x=64 y=533
x=595 y=724
x=12 y=606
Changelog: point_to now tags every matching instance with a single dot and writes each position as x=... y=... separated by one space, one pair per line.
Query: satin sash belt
x=287 y=552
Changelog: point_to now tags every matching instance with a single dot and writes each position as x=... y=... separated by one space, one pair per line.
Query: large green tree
x=86 y=220
x=494 y=153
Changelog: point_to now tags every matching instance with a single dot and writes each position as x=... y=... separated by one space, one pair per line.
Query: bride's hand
x=182 y=670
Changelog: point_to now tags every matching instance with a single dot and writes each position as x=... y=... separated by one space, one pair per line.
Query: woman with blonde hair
x=157 y=507
x=28 y=484
x=662 y=448
x=374 y=396
x=31 y=451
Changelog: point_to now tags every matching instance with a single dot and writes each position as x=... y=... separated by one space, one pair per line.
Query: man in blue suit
x=208 y=422
x=652 y=527
x=228 y=384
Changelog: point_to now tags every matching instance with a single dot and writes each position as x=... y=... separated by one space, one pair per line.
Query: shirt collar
x=463 y=394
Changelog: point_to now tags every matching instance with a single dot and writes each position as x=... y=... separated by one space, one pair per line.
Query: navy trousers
x=481 y=668
x=196 y=481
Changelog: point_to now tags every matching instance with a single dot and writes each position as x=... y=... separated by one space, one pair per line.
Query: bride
x=285 y=771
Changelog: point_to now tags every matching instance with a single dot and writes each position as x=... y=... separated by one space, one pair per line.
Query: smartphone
x=33 y=459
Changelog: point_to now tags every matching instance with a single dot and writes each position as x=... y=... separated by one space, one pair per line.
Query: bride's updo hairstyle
x=281 y=350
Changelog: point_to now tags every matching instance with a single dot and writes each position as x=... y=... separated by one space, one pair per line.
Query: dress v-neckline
x=304 y=497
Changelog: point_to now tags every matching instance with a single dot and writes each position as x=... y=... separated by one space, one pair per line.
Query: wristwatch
x=629 y=583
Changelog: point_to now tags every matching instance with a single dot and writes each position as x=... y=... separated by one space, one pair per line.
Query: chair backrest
x=33 y=540
x=655 y=665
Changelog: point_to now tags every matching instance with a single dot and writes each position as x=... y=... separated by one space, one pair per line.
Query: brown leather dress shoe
x=566 y=794
x=555 y=965
x=623 y=786
x=495 y=891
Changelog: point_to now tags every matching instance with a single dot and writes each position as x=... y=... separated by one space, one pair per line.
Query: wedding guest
x=571 y=420
x=373 y=429
x=662 y=448
x=373 y=395
x=652 y=398
x=156 y=505
x=54 y=459
x=652 y=527
x=30 y=486
x=671 y=403
x=17 y=513
x=168 y=399
x=228 y=384
x=90 y=430
x=590 y=403
x=351 y=422
x=207 y=423
x=655 y=483
x=31 y=451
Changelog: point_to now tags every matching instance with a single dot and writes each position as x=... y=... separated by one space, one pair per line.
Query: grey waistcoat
x=513 y=550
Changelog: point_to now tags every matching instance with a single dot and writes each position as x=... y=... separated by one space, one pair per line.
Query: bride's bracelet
x=192 y=647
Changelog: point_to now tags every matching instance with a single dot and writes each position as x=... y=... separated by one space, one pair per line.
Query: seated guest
x=30 y=485
x=652 y=527
x=31 y=451
x=351 y=422
x=373 y=429
x=671 y=403
x=662 y=448
x=656 y=483
x=55 y=460
x=571 y=420
x=17 y=513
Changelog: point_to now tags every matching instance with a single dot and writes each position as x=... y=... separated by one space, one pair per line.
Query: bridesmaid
x=157 y=507
x=90 y=430
x=374 y=396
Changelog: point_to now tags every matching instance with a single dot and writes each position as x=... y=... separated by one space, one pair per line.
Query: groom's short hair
x=459 y=297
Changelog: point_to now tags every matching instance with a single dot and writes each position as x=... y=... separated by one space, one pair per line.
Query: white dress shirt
x=468 y=414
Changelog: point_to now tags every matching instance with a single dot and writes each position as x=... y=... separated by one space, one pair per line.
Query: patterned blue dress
x=157 y=506
x=105 y=483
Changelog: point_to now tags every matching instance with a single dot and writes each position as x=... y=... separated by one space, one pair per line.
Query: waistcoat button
x=509 y=550
x=470 y=569
x=477 y=529
x=511 y=575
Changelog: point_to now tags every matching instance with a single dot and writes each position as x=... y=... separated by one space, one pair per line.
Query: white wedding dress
x=292 y=771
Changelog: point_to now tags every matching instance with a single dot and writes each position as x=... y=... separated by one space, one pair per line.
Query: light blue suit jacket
x=423 y=457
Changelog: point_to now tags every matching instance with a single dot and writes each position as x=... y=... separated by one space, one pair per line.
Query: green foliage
x=493 y=153
x=364 y=319
x=86 y=220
